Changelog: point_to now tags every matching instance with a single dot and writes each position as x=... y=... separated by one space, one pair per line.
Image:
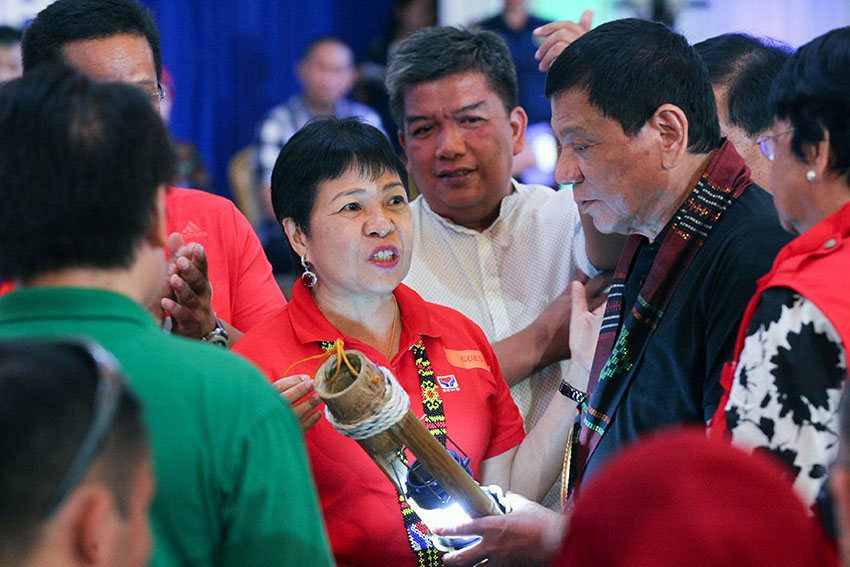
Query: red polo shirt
x=359 y=504
x=244 y=289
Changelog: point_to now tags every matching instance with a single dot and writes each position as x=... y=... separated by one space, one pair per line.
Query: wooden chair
x=240 y=172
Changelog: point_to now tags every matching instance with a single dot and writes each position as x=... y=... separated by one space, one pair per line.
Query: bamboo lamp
x=373 y=409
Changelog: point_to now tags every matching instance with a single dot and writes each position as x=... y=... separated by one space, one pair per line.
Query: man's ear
x=296 y=236
x=670 y=124
x=91 y=513
x=157 y=236
x=519 y=122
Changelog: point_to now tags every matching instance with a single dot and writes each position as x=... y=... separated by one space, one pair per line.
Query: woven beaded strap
x=435 y=422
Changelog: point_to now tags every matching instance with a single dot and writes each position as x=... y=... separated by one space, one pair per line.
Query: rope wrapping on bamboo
x=389 y=415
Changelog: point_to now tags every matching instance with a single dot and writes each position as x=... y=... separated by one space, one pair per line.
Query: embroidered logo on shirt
x=466 y=359
x=448 y=383
x=193 y=232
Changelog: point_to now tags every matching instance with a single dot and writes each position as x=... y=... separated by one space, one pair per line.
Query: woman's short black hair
x=325 y=149
x=813 y=93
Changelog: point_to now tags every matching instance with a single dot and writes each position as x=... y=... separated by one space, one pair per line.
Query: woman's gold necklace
x=388 y=352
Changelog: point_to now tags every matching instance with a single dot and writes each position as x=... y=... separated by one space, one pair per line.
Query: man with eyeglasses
x=83 y=176
x=76 y=472
x=219 y=282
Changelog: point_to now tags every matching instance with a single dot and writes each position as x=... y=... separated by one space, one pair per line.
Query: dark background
x=233 y=60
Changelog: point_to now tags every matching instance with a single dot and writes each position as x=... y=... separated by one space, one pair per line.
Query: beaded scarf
x=724 y=180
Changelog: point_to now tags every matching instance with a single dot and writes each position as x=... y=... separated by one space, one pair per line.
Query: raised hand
x=556 y=36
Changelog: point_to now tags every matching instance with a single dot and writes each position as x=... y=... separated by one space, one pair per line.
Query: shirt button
x=830 y=243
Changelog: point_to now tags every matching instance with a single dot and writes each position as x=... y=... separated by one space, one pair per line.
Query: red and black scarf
x=615 y=361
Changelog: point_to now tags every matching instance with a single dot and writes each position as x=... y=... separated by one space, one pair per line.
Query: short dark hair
x=320 y=40
x=47 y=405
x=629 y=68
x=79 y=172
x=746 y=66
x=325 y=149
x=813 y=92
x=65 y=21
x=437 y=52
x=9 y=36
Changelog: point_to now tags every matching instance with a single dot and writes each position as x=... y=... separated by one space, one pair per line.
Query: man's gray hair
x=437 y=52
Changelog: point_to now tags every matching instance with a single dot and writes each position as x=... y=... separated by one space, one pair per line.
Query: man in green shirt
x=83 y=174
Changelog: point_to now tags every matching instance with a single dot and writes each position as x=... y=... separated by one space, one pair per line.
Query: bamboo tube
x=352 y=399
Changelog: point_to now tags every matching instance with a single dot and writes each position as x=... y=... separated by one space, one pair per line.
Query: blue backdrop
x=232 y=60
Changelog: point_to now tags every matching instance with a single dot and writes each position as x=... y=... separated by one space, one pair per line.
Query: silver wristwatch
x=217 y=336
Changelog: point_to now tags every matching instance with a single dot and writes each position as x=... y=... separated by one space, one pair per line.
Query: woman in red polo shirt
x=339 y=192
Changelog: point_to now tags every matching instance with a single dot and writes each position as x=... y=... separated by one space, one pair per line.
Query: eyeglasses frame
x=767 y=144
x=108 y=392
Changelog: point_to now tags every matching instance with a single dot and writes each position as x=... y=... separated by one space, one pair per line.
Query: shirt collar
x=311 y=325
x=506 y=206
x=725 y=169
x=71 y=302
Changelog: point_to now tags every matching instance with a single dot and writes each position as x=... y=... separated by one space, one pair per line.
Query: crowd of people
x=646 y=367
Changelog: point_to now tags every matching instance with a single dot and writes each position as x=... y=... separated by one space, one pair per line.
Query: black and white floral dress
x=787 y=387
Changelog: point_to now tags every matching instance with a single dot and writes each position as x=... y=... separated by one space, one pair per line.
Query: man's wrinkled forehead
x=479 y=87
x=573 y=114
